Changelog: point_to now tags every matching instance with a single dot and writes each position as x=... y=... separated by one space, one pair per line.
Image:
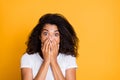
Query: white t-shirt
x=34 y=62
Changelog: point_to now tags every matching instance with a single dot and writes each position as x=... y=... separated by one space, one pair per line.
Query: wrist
x=46 y=62
x=53 y=61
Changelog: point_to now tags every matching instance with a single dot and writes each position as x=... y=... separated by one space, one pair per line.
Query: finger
x=44 y=40
x=54 y=46
x=54 y=43
x=47 y=47
x=44 y=45
x=51 y=46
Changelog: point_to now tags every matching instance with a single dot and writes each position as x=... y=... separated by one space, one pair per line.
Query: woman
x=51 y=50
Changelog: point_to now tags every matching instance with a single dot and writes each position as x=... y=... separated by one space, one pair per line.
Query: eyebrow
x=48 y=30
x=44 y=29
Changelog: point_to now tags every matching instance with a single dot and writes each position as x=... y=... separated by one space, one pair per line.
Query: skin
x=50 y=38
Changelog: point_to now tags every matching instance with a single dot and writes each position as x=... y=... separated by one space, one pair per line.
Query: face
x=50 y=31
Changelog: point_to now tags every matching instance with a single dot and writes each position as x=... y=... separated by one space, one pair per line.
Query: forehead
x=50 y=27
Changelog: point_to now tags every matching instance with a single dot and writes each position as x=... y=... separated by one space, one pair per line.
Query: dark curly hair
x=68 y=38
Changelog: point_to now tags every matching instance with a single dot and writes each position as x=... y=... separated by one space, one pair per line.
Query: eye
x=57 y=34
x=44 y=33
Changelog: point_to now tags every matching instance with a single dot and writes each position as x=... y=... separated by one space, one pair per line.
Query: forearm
x=42 y=71
x=57 y=71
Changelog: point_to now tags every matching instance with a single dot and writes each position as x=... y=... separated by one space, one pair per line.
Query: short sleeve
x=71 y=62
x=25 y=61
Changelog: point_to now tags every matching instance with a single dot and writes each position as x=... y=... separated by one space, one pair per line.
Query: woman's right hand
x=46 y=50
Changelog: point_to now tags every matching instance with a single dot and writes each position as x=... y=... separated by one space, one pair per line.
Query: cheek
x=57 y=40
x=43 y=38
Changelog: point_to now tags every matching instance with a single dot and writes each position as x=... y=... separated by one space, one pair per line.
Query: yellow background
x=97 y=23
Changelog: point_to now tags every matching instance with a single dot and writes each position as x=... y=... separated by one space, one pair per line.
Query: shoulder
x=28 y=59
x=68 y=60
x=26 y=55
x=29 y=56
x=66 y=57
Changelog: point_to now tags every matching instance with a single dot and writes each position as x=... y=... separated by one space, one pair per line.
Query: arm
x=57 y=71
x=44 y=68
x=26 y=73
x=42 y=71
x=53 y=61
x=70 y=72
x=41 y=75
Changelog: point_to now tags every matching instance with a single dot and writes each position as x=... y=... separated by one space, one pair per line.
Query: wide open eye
x=45 y=33
x=57 y=34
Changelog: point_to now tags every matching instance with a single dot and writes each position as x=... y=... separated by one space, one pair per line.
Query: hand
x=54 y=48
x=46 y=50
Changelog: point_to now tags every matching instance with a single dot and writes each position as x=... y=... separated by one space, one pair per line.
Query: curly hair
x=68 y=38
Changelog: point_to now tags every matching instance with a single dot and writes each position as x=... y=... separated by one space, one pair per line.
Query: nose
x=51 y=37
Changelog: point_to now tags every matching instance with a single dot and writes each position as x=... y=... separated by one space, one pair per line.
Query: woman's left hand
x=54 y=49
